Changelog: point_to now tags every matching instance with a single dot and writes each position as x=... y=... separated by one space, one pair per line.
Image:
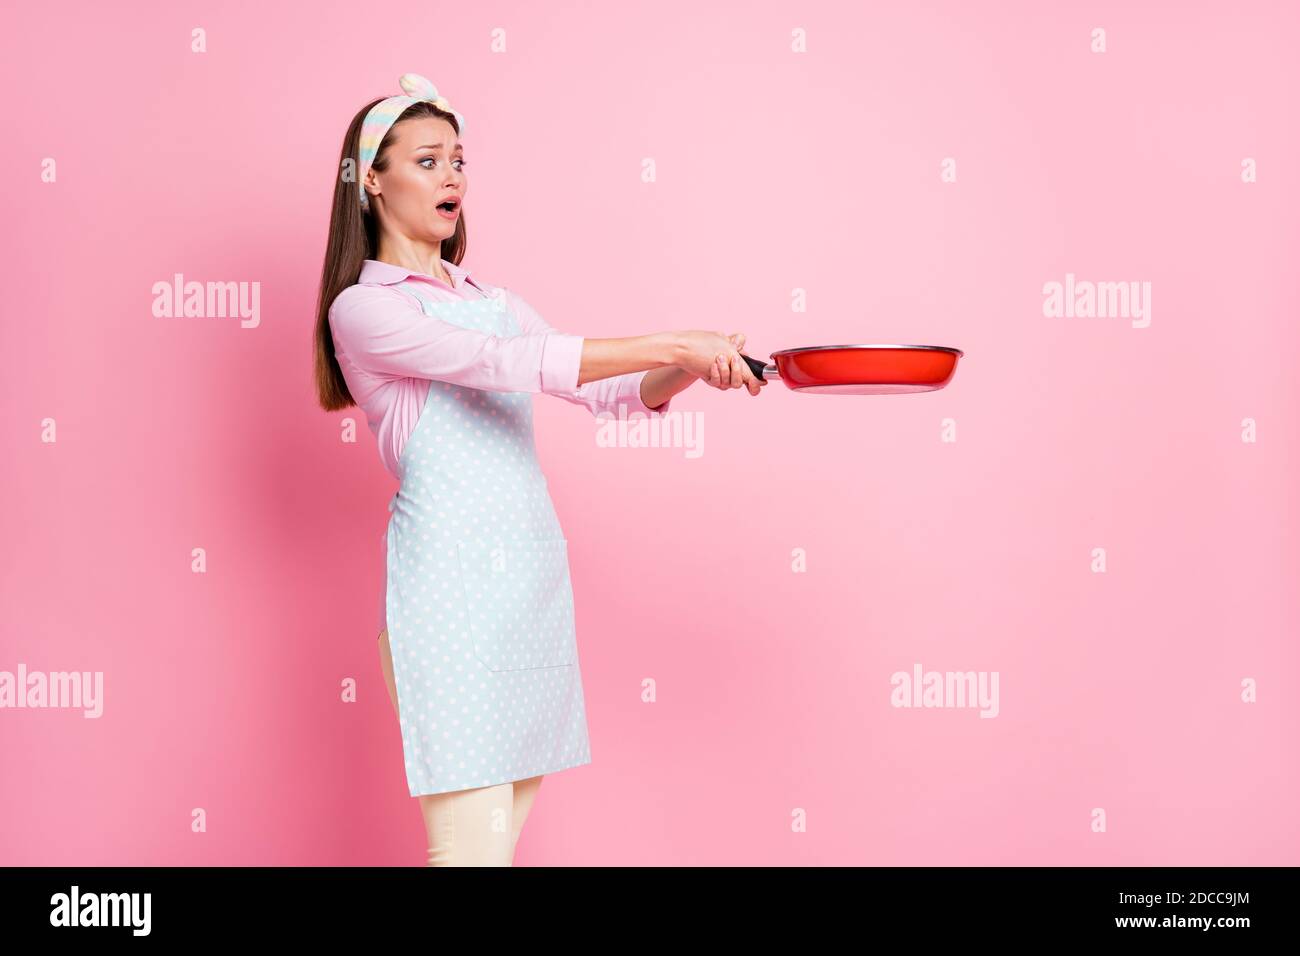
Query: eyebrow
x=435 y=146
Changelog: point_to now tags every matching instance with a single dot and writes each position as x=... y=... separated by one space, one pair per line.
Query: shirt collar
x=374 y=272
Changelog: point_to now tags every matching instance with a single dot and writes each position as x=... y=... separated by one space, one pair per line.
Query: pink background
x=776 y=171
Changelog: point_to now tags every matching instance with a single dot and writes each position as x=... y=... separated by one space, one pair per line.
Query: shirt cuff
x=561 y=362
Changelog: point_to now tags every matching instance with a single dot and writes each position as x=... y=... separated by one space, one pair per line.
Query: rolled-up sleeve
x=600 y=395
x=384 y=333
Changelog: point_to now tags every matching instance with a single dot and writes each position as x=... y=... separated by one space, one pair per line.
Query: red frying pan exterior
x=861 y=369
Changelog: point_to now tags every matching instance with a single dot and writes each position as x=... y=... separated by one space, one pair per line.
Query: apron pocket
x=519 y=601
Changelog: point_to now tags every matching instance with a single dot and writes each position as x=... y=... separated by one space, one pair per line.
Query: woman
x=476 y=629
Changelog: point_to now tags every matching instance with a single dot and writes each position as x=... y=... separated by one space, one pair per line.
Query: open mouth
x=450 y=205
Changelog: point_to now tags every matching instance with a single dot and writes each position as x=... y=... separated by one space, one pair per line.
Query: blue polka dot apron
x=479 y=602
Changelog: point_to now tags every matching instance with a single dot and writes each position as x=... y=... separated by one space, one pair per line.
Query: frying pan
x=861 y=369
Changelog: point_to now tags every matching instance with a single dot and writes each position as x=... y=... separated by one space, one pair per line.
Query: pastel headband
x=384 y=114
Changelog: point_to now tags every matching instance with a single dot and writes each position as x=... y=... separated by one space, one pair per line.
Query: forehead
x=427 y=131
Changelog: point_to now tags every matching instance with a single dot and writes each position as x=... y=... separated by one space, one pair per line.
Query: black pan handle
x=758 y=367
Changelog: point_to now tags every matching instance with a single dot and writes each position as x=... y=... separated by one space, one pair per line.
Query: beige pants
x=476 y=827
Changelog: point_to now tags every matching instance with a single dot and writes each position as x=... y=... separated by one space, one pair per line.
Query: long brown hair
x=354 y=238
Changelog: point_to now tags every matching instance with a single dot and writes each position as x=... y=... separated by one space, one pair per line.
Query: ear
x=371 y=182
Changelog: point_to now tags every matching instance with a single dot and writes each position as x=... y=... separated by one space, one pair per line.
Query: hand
x=715 y=358
x=736 y=372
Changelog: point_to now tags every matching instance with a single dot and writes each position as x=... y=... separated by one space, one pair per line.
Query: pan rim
x=818 y=348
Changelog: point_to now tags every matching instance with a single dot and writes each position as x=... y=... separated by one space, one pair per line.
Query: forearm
x=661 y=384
x=605 y=358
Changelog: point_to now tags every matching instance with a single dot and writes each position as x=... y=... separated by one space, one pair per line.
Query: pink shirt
x=389 y=350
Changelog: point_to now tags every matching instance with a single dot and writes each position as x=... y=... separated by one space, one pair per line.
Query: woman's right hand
x=699 y=354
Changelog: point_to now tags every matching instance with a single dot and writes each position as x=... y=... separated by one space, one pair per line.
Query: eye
x=431 y=159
